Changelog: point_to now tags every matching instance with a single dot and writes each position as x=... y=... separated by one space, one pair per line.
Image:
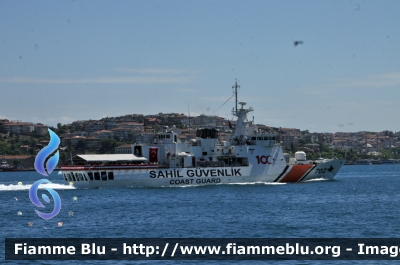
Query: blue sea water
x=361 y=202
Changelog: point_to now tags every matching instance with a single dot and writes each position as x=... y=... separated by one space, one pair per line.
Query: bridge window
x=65 y=177
x=207 y=133
x=103 y=175
x=84 y=175
x=96 y=176
x=81 y=176
x=90 y=174
x=73 y=176
x=110 y=175
x=243 y=161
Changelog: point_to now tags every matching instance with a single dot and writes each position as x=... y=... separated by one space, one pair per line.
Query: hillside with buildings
x=21 y=141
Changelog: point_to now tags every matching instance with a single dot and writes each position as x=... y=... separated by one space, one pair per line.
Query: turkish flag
x=153 y=154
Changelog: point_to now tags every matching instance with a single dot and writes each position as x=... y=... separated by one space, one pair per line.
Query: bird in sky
x=297 y=42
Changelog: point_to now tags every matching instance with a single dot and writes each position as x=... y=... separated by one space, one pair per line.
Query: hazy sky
x=62 y=61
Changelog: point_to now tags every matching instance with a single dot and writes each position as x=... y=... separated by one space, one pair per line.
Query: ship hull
x=8 y=169
x=82 y=177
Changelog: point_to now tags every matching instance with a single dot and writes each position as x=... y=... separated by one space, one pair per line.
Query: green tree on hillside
x=2 y=128
x=80 y=145
x=108 y=145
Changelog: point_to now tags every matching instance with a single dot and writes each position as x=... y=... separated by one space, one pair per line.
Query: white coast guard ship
x=251 y=156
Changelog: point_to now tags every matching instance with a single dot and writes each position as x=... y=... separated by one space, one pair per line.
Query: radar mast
x=235 y=87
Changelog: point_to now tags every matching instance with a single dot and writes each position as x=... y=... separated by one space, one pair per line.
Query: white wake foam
x=42 y=186
x=318 y=179
x=256 y=183
x=217 y=184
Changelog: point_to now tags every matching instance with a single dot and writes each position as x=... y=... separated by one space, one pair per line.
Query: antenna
x=236 y=86
x=70 y=148
x=70 y=155
x=189 y=119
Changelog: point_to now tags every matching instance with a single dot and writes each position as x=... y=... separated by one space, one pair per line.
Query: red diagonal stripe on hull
x=296 y=173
